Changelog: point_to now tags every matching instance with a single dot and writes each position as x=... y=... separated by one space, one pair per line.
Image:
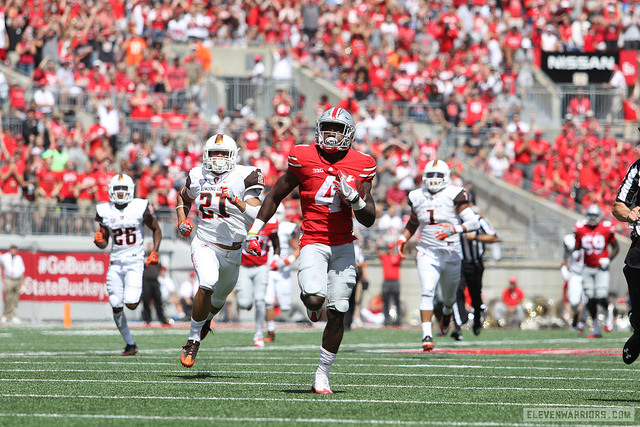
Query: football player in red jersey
x=329 y=195
x=596 y=236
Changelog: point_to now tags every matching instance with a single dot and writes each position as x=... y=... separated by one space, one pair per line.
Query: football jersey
x=594 y=241
x=326 y=218
x=438 y=208
x=126 y=228
x=264 y=237
x=220 y=221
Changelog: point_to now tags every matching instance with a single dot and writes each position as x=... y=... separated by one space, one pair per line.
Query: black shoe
x=631 y=349
x=206 y=328
x=130 y=350
x=189 y=351
x=457 y=334
x=271 y=336
x=477 y=327
x=445 y=323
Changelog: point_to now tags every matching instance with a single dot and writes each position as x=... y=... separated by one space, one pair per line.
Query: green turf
x=53 y=376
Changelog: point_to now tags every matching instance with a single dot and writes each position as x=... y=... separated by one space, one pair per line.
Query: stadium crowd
x=139 y=68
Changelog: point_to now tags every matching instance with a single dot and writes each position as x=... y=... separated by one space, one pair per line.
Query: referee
x=473 y=246
x=626 y=209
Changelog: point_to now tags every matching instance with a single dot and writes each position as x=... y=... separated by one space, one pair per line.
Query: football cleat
x=258 y=342
x=631 y=349
x=477 y=327
x=611 y=322
x=427 y=343
x=189 y=351
x=206 y=328
x=315 y=315
x=130 y=350
x=320 y=385
x=580 y=328
x=271 y=336
x=445 y=324
x=457 y=334
x=594 y=335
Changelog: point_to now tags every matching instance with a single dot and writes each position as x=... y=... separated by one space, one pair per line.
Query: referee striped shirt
x=629 y=188
x=473 y=250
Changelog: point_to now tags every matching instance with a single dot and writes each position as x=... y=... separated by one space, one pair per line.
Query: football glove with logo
x=228 y=193
x=186 y=227
x=253 y=247
x=448 y=230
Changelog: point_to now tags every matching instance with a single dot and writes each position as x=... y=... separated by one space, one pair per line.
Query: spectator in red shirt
x=512 y=298
x=513 y=175
x=11 y=183
x=163 y=189
x=102 y=176
x=391 y=262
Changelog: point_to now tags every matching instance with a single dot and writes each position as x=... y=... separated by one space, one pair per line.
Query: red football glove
x=98 y=238
x=152 y=259
x=401 y=242
x=253 y=247
x=228 y=193
x=186 y=227
x=447 y=230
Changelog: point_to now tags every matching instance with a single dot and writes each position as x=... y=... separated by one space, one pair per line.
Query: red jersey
x=325 y=218
x=47 y=180
x=10 y=185
x=264 y=237
x=594 y=241
x=69 y=181
x=390 y=266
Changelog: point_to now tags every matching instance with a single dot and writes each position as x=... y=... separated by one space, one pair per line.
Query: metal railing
x=516 y=243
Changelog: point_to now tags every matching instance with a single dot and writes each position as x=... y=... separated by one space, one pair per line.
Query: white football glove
x=347 y=190
x=564 y=271
x=604 y=263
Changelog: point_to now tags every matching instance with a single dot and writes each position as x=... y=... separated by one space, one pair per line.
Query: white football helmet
x=436 y=175
x=216 y=144
x=327 y=137
x=594 y=215
x=121 y=189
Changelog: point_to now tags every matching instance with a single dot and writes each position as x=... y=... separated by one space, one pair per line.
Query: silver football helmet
x=594 y=215
x=216 y=144
x=436 y=175
x=331 y=138
x=121 y=189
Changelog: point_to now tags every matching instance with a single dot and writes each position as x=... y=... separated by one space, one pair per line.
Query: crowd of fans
x=139 y=68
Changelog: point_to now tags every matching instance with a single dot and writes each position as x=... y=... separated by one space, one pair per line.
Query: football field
x=55 y=376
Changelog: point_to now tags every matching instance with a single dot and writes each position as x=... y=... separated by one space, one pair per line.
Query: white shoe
x=258 y=342
x=321 y=385
x=3 y=319
x=16 y=321
x=610 y=323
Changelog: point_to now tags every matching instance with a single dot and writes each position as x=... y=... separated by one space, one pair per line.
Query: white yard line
x=589 y=390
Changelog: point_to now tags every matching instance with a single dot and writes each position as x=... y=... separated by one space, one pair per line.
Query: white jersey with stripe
x=126 y=228
x=439 y=208
x=220 y=221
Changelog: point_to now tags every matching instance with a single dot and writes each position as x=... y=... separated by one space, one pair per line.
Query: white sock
x=196 y=327
x=271 y=325
x=326 y=360
x=261 y=312
x=426 y=329
x=123 y=327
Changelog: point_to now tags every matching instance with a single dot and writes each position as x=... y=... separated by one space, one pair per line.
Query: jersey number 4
x=327 y=196
x=205 y=206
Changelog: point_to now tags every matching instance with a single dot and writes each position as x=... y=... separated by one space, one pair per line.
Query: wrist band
x=358 y=204
x=402 y=238
x=256 y=226
x=180 y=206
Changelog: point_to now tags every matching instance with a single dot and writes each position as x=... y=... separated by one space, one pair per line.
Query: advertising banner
x=65 y=276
